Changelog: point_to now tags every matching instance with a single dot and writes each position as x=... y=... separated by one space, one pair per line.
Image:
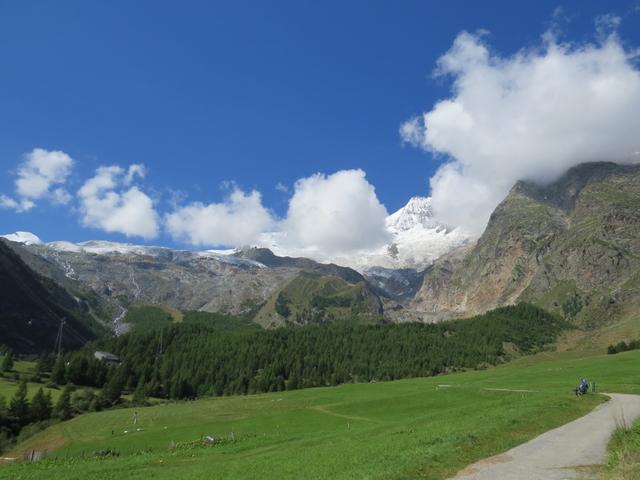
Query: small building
x=110 y=358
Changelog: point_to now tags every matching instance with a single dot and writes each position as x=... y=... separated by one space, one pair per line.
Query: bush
x=106 y=453
x=82 y=400
x=7 y=362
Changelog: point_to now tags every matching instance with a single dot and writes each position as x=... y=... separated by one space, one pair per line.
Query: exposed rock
x=572 y=247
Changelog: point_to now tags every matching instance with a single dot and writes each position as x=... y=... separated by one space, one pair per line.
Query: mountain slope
x=31 y=307
x=122 y=276
x=313 y=298
x=571 y=247
x=266 y=257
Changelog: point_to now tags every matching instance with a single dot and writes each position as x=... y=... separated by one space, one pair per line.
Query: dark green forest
x=212 y=354
x=623 y=347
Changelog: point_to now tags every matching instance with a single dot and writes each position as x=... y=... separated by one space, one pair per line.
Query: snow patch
x=26 y=238
x=417 y=240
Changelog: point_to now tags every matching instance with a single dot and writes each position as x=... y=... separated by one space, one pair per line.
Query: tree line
x=623 y=347
x=20 y=416
x=197 y=358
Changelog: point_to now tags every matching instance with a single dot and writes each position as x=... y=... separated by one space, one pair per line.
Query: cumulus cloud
x=237 y=221
x=327 y=215
x=332 y=214
x=108 y=202
x=39 y=172
x=530 y=116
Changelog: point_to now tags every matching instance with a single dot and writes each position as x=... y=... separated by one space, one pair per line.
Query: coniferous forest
x=201 y=357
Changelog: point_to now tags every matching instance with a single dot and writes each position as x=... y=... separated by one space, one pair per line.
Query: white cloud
x=106 y=205
x=530 y=116
x=237 y=221
x=607 y=24
x=334 y=214
x=327 y=215
x=135 y=169
x=8 y=202
x=60 y=196
x=39 y=171
x=281 y=187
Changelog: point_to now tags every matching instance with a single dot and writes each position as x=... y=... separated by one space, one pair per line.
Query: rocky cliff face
x=572 y=247
x=118 y=275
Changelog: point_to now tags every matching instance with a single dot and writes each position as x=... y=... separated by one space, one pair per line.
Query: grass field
x=624 y=454
x=420 y=428
x=8 y=385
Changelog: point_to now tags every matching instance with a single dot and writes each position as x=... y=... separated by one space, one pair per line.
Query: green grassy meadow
x=8 y=385
x=623 y=462
x=419 y=428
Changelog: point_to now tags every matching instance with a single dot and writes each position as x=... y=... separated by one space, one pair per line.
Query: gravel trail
x=560 y=453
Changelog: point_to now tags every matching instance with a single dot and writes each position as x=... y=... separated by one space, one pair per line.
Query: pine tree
x=44 y=363
x=113 y=389
x=3 y=411
x=139 y=397
x=19 y=405
x=59 y=374
x=41 y=406
x=63 y=407
x=7 y=362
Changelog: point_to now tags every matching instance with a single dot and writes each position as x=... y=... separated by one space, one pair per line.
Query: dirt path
x=325 y=410
x=559 y=453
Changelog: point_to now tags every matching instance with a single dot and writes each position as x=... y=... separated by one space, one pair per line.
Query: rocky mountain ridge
x=570 y=247
x=236 y=282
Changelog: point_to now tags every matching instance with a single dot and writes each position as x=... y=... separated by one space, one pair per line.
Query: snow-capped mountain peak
x=416 y=240
x=27 y=238
x=417 y=212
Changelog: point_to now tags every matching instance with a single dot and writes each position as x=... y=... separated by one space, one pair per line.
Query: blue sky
x=256 y=93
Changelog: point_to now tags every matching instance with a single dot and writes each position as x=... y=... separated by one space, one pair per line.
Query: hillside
x=31 y=307
x=212 y=354
x=122 y=276
x=426 y=428
x=312 y=298
x=266 y=257
x=570 y=247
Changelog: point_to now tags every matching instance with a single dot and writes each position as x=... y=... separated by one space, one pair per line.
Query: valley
x=417 y=428
x=320 y=240
x=286 y=361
